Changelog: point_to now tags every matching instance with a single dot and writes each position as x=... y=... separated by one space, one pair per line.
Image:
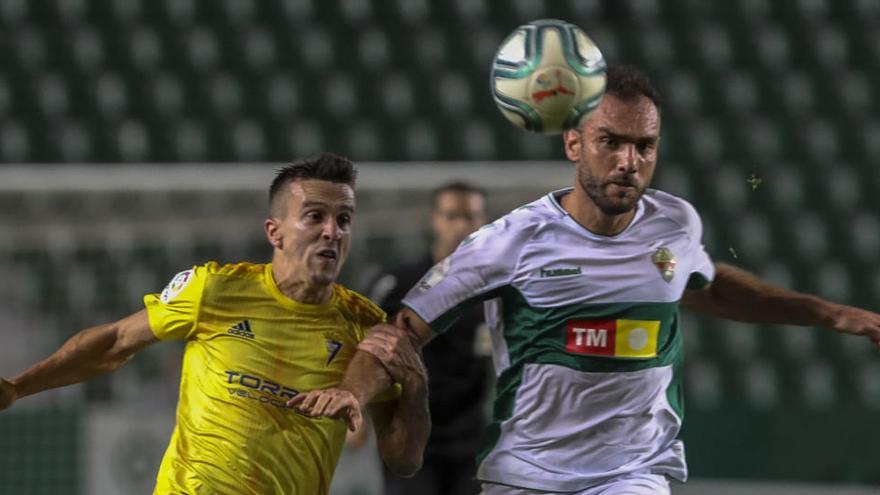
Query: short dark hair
x=456 y=186
x=325 y=166
x=627 y=82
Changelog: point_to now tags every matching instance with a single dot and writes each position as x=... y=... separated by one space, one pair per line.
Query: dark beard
x=606 y=205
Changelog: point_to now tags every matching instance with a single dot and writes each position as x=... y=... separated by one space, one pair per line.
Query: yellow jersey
x=249 y=349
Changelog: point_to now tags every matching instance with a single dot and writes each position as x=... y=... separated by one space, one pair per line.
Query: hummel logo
x=559 y=272
x=242 y=329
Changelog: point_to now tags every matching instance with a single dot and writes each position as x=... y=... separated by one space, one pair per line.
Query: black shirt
x=457 y=375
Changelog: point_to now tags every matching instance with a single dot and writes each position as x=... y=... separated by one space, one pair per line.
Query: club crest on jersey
x=664 y=260
x=176 y=286
x=333 y=348
x=435 y=275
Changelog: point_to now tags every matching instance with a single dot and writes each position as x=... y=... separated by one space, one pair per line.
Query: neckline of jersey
x=292 y=303
x=554 y=198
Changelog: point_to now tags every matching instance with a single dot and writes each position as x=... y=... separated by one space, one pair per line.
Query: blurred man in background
x=458 y=364
x=256 y=335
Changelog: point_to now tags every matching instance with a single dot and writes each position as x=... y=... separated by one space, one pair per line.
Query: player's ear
x=572 y=142
x=273 y=232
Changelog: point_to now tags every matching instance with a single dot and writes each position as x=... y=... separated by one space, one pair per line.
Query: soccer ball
x=547 y=76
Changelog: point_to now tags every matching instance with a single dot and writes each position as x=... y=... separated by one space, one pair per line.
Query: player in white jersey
x=582 y=290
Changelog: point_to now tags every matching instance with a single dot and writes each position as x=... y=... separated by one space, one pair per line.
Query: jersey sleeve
x=483 y=262
x=174 y=312
x=702 y=270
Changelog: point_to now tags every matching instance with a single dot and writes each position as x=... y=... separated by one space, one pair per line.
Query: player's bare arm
x=402 y=427
x=91 y=352
x=738 y=295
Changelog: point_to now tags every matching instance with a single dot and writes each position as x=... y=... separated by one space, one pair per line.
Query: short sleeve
x=702 y=270
x=483 y=262
x=174 y=312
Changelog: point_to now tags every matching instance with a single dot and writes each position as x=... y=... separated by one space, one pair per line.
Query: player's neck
x=585 y=212
x=298 y=289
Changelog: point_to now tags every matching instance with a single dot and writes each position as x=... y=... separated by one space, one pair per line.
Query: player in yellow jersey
x=256 y=336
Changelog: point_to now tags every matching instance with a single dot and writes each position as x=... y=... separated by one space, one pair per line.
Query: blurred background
x=138 y=138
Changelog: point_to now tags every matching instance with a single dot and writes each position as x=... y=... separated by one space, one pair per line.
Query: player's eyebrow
x=321 y=204
x=627 y=137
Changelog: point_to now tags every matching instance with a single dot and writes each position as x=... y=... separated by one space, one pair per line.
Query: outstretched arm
x=91 y=352
x=738 y=295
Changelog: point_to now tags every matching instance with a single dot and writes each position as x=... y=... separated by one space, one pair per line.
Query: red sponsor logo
x=591 y=337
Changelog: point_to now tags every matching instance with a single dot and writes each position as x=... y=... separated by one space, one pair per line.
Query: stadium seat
x=797 y=93
x=88 y=50
x=656 y=49
x=527 y=9
x=53 y=96
x=238 y=12
x=470 y=12
x=248 y=141
x=110 y=94
x=145 y=53
x=864 y=235
x=830 y=49
x=453 y=95
x=705 y=144
x=413 y=12
x=782 y=188
x=711 y=48
x=809 y=237
x=799 y=344
x=356 y=12
x=421 y=139
x=202 y=49
x=364 y=140
x=340 y=95
x=817 y=385
x=226 y=95
x=739 y=93
x=761 y=385
x=30 y=50
x=771 y=49
x=842 y=189
x=257 y=51
x=374 y=52
x=832 y=281
x=14 y=12
x=132 y=141
x=704 y=384
x=283 y=96
x=477 y=140
x=14 y=142
x=180 y=12
x=126 y=12
x=397 y=96
x=754 y=236
x=305 y=137
x=683 y=92
x=69 y=12
x=854 y=94
x=869 y=386
x=189 y=141
x=74 y=142
x=167 y=96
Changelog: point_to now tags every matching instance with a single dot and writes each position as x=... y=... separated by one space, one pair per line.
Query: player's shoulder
x=235 y=270
x=514 y=227
x=358 y=307
x=672 y=207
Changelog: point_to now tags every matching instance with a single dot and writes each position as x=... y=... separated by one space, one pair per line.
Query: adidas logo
x=242 y=329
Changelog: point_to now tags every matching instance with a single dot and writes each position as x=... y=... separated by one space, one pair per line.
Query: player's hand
x=8 y=394
x=856 y=321
x=393 y=347
x=332 y=403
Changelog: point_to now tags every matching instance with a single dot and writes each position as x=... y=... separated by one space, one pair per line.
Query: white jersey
x=588 y=348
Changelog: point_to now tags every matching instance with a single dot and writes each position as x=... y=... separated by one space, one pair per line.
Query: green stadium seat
x=771 y=49
x=356 y=12
x=728 y=189
x=705 y=142
x=421 y=139
x=477 y=140
x=110 y=94
x=340 y=96
x=226 y=95
x=14 y=12
x=673 y=178
x=14 y=142
x=166 y=96
x=683 y=92
x=314 y=49
x=29 y=48
x=74 y=142
x=797 y=93
x=258 y=51
x=88 y=51
x=430 y=51
x=833 y=281
x=53 y=96
x=306 y=137
x=809 y=238
x=413 y=12
x=528 y=10
x=145 y=51
x=754 y=236
x=710 y=48
x=869 y=386
x=363 y=141
x=237 y=12
x=704 y=385
x=283 y=97
x=799 y=344
x=454 y=95
x=180 y=12
x=126 y=12
x=830 y=48
x=374 y=50
x=817 y=384
x=608 y=41
x=818 y=140
x=656 y=49
x=189 y=140
x=739 y=93
x=69 y=12
x=869 y=141
x=249 y=141
x=470 y=12
x=761 y=385
x=813 y=11
x=397 y=96
x=202 y=49
x=854 y=94
x=864 y=236
x=842 y=189
x=132 y=141
x=482 y=44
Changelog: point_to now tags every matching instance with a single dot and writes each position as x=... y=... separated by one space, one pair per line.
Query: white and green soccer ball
x=547 y=76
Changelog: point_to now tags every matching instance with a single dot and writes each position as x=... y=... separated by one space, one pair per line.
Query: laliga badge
x=664 y=260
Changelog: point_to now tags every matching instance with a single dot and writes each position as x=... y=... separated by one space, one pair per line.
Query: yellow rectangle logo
x=636 y=338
